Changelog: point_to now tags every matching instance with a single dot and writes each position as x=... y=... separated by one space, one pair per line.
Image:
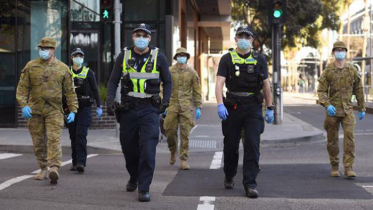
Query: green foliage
x=102 y=92
x=305 y=20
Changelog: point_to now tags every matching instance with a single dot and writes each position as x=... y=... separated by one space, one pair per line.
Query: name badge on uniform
x=250 y=69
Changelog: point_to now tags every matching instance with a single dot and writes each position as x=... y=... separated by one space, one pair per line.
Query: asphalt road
x=291 y=177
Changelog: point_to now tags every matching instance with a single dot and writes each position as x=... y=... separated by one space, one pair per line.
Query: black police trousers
x=249 y=117
x=78 y=131
x=139 y=133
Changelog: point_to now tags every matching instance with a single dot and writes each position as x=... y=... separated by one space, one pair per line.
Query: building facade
x=200 y=26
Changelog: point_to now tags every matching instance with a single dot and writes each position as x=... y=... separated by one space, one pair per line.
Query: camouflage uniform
x=336 y=87
x=40 y=87
x=185 y=88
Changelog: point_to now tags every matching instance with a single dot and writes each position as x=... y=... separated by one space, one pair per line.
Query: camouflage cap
x=182 y=50
x=339 y=44
x=47 y=42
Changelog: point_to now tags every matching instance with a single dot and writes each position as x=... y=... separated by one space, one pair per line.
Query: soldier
x=86 y=90
x=337 y=84
x=39 y=93
x=186 y=89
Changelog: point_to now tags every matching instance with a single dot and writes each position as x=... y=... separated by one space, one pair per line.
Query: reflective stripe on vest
x=82 y=75
x=138 y=78
x=236 y=59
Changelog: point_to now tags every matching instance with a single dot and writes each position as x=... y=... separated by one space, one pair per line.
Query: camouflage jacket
x=185 y=89
x=42 y=83
x=336 y=87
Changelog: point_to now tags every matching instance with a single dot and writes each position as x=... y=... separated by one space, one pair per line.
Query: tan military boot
x=349 y=172
x=173 y=158
x=184 y=165
x=53 y=175
x=42 y=174
x=335 y=171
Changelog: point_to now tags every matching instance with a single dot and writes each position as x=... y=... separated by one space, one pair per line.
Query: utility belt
x=232 y=99
x=85 y=101
x=129 y=102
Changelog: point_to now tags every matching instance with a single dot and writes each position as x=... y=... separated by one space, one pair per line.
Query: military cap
x=245 y=30
x=339 y=44
x=47 y=42
x=182 y=50
x=142 y=27
x=77 y=51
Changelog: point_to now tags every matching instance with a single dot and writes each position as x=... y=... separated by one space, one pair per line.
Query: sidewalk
x=206 y=136
x=312 y=96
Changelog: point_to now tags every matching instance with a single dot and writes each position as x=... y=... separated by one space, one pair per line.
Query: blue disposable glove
x=98 y=112
x=26 y=112
x=361 y=115
x=71 y=117
x=269 y=116
x=198 y=113
x=164 y=113
x=331 y=110
x=222 y=112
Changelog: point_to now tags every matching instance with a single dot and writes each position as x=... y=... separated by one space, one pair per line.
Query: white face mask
x=78 y=61
x=44 y=54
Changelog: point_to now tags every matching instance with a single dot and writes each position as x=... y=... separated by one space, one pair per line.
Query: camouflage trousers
x=331 y=126
x=45 y=130
x=171 y=124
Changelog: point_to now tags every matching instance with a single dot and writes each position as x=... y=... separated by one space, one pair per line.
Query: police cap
x=244 y=30
x=142 y=27
x=77 y=51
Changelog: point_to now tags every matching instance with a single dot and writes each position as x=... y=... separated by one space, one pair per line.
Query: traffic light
x=106 y=10
x=276 y=11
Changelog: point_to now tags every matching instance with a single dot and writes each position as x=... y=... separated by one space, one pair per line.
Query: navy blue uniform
x=78 y=129
x=139 y=126
x=244 y=113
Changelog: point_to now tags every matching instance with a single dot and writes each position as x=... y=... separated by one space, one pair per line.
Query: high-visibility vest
x=82 y=75
x=236 y=59
x=138 y=78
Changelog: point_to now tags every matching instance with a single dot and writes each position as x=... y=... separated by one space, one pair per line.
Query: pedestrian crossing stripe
x=8 y=155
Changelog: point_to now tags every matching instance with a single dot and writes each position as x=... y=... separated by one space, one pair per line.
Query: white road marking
x=66 y=163
x=368 y=186
x=207 y=203
x=13 y=181
x=216 y=161
x=8 y=155
x=193 y=129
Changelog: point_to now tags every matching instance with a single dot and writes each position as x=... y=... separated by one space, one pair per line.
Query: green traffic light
x=277 y=13
x=105 y=14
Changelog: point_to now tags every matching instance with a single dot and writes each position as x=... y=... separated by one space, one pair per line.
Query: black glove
x=162 y=108
x=110 y=107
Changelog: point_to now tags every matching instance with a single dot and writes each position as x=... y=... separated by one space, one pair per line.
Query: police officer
x=39 y=93
x=245 y=73
x=186 y=95
x=86 y=90
x=337 y=84
x=140 y=69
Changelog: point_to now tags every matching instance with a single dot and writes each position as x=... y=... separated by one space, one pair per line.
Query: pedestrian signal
x=106 y=10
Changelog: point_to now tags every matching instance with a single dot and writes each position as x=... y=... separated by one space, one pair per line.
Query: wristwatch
x=270 y=107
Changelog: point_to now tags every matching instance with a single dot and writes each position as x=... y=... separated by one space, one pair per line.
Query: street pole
x=276 y=64
x=117 y=23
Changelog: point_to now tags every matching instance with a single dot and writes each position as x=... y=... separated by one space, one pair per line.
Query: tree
x=305 y=20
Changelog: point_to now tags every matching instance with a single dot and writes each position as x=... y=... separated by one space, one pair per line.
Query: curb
x=295 y=141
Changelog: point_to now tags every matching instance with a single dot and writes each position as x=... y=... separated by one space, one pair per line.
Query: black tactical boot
x=131 y=186
x=144 y=196
x=251 y=192
x=228 y=183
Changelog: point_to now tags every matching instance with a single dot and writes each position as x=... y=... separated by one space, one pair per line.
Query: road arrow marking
x=207 y=203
